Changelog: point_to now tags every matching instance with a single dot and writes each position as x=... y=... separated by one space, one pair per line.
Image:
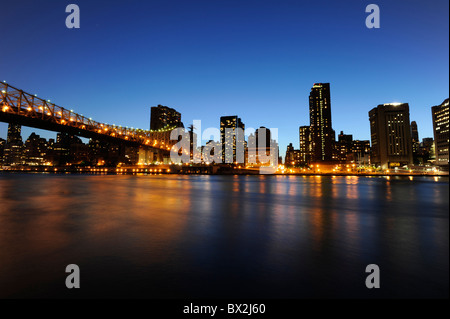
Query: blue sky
x=254 y=59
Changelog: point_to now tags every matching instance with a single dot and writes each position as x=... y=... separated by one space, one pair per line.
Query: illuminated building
x=162 y=117
x=2 y=146
x=305 y=144
x=441 y=133
x=391 y=135
x=343 y=147
x=322 y=134
x=360 y=150
x=293 y=157
x=414 y=137
x=35 y=150
x=263 y=137
x=13 y=149
x=232 y=137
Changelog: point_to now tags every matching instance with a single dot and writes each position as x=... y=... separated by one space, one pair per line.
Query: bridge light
x=48 y=100
x=5 y=108
x=29 y=108
x=3 y=91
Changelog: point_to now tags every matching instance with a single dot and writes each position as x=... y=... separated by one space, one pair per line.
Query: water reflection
x=204 y=236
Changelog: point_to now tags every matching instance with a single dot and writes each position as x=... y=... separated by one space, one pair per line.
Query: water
x=173 y=236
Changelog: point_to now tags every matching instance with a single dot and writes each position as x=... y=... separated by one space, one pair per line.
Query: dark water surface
x=223 y=236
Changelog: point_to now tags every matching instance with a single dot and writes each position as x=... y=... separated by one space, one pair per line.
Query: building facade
x=390 y=132
x=441 y=133
x=232 y=139
x=163 y=117
x=415 y=137
x=305 y=144
x=13 y=149
x=322 y=134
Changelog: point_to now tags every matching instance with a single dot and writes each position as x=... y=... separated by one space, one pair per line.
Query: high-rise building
x=391 y=135
x=414 y=132
x=293 y=157
x=322 y=134
x=105 y=153
x=343 y=147
x=441 y=133
x=289 y=154
x=2 y=147
x=14 y=134
x=263 y=138
x=232 y=138
x=415 y=137
x=345 y=138
x=192 y=142
x=35 y=150
x=13 y=150
x=361 y=152
x=305 y=144
x=164 y=117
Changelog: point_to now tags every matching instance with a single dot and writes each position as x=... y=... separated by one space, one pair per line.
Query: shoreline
x=202 y=171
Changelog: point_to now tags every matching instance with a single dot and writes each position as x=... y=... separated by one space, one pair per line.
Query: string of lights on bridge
x=18 y=102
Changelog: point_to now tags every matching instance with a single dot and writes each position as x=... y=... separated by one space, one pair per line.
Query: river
x=176 y=236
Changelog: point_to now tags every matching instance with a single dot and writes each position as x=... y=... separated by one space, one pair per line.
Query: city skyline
x=257 y=62
x=224 y=157
x=52 y=134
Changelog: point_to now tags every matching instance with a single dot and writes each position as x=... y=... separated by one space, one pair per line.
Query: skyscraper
x=343 y=147
x=391 y=135
x=2 y=146
x=35 y=150
x=264 y=145
x=361 y=152
x=441 y=133
x=414 y=137
x=414 y=132
x=232 y=138
x=163 y=117
x=292 y=157
x=305 y=144
x=322 y=134
x=14 y=134
x=13 y=151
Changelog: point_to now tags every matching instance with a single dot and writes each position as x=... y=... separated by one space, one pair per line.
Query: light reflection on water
x=223 y=236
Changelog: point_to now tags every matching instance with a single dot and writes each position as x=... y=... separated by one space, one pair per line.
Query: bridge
x=19 y=107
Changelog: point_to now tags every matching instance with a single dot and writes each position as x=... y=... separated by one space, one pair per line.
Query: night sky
x=255 y=59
